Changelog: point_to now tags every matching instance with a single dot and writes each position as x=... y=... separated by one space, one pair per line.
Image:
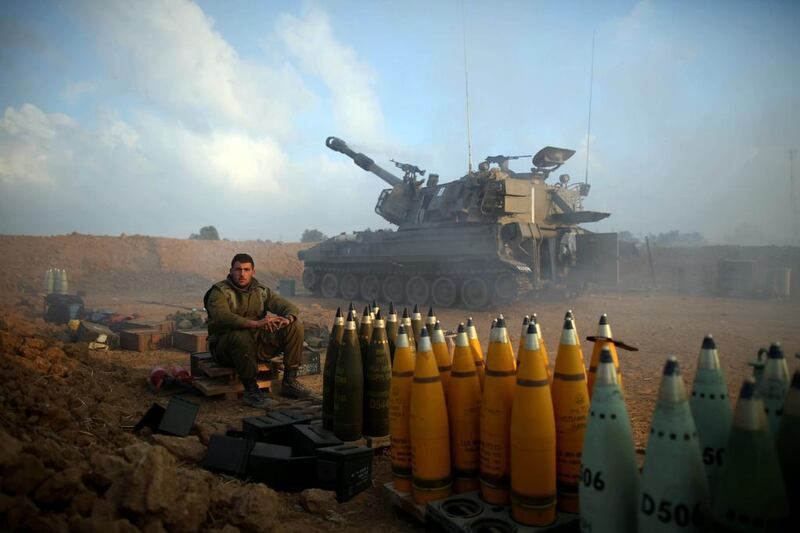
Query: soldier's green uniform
x=232 y=343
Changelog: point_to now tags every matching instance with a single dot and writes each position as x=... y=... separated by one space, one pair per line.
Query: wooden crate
x=164 y=326
x=194 y=362
x=213 y=379
x=191 y=340
x=223 y=386
x=141 y=340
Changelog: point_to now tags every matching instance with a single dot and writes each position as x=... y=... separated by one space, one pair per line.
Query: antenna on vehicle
x=792 y=193
x=589 y=124
x=466 y=89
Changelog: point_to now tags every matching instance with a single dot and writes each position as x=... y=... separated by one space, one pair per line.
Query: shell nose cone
x=671 y=367
x=603 y=320
x=568 y=324
x=748 y=389
x=708 y=343
x=775 y=351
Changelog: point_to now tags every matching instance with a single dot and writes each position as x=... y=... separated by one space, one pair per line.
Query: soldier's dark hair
x=243 y=258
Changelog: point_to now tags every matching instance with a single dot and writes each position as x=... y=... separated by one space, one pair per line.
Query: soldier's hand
x=273 y=323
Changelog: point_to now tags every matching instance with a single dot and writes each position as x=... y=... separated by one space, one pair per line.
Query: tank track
x=474 y=286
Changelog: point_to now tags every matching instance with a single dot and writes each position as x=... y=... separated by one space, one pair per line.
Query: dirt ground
x=68 y=458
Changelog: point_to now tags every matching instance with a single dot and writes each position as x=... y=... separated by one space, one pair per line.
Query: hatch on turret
x=551 y=158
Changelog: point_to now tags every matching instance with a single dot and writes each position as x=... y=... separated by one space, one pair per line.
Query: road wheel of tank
x=370 y=288
x=349 y=287
x=393 y=288
x=505 y=288
x=310 y=279
x=329 y=286
x=475 y=293
x=444 y=292
x=417 y=290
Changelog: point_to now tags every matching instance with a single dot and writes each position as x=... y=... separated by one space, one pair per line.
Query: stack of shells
x=546 y=441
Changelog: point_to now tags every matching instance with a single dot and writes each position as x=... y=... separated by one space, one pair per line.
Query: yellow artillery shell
x=430 y=436
x=533 y=439
x=571 y=408
x=399 y=407
x=464 y=412
x=498 y=395
x=442 y=354
x=477 y=351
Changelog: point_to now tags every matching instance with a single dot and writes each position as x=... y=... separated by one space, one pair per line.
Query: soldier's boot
x=255 y=397
x=291 y=388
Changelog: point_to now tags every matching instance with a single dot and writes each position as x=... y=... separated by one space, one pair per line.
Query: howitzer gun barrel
x=363 y=161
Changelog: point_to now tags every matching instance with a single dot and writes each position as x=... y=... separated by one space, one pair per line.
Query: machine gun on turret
x=410 y=172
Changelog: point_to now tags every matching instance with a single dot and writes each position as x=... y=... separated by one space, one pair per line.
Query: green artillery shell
x=377 y=382
x=711 y=409
x=329 y=372
x=348 y=399
x=673 y=492
x=750 y=493
x=609 y=483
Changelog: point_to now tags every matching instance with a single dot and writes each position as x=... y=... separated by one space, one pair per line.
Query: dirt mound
x=68 y=460
x=102 y=265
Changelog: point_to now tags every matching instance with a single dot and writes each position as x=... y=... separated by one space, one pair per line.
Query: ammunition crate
x=179 y=417
x=346 y=469
x=307 y=439
x=151 y=419
x=275 y=427
x=141 y=340
x=227 y=455
x=278 y=468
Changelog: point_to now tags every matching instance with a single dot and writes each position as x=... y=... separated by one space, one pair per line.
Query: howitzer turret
x=479 y=239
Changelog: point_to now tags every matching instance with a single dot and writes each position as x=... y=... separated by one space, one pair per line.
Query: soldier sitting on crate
x=242 y=332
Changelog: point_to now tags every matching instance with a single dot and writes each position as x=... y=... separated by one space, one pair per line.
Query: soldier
x=247 y=322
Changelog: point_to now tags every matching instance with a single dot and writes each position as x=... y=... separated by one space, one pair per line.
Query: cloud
x=169 y=55
x=75 y=91
x=29 y=144
x=182 y=131
x=356 y=107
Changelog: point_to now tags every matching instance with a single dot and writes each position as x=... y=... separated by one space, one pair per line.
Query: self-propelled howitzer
x=481 y=239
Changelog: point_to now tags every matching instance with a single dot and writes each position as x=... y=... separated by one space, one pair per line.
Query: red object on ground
x=157 y=377
x=181 y=374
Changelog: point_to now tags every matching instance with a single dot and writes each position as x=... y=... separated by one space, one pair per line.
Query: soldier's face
x=242 y=273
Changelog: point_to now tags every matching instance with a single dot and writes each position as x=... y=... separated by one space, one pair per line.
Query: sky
x=159 y=117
